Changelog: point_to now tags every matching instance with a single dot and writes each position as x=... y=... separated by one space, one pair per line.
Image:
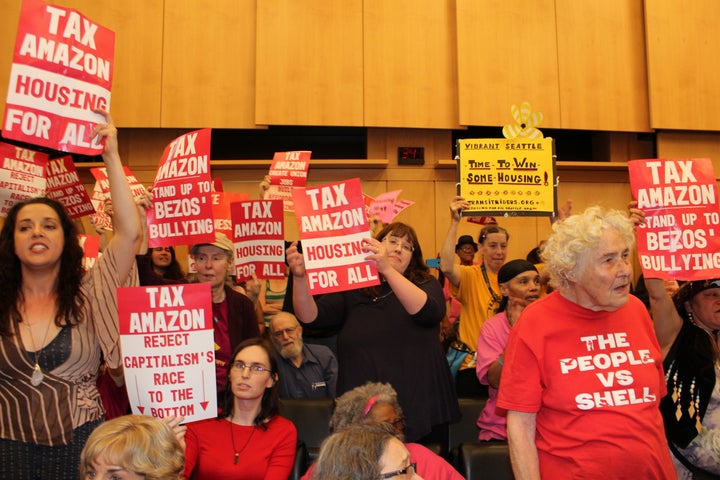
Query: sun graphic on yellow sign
x=525 y=122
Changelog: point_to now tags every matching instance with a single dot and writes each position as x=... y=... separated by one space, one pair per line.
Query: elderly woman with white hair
x=582 y=387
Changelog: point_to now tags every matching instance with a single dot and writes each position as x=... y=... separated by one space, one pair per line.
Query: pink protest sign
x=332 y=224
x=182 y=212
x=681 y=236
x=259 y=237
x=221 y=210
x=386 y=206
x=167 y=341
x=65 y=186
x=22 y=175
x=62 y=69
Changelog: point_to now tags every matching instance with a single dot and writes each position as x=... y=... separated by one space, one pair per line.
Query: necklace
x=38 y=376
x=232 y=440
x=375 y=299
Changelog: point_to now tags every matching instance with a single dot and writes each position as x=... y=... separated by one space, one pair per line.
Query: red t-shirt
x=595 y=380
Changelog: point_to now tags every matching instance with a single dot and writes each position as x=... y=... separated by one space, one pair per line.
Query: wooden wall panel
x=208 y=77
x=601 y=58
x=684 y=75
x=507 y=54
x=309 y=63
x=690 y=145
x=138 y=26
x=410 y=62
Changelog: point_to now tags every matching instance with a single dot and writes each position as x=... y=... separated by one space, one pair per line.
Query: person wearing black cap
x=687 y=327
x=520 y=286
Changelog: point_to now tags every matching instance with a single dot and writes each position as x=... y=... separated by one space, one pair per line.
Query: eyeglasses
x=468 y=249
x=399 y=423
x=394 y=242
x=255 y=368
x=280 y=333
x=408 y=471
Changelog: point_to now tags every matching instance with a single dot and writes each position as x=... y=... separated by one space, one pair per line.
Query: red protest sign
x=332 y=224
x=221 y=210
x=259 y=237
x=290 y=169
x=182 y=206
x=22 y=175
x=65 y=186
x=167 y=341
x=91 y=248
x=101 y=194
x=681 y=236
x=62 y=69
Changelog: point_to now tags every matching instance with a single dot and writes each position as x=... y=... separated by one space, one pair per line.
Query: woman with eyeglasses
x=390 y=333
x=248 y=439
x=378 y=403
x=365 y=452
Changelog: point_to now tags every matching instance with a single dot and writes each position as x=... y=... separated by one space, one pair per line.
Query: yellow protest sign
x=500 y=176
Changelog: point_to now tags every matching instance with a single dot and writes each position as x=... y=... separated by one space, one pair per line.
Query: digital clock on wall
x=411 y=155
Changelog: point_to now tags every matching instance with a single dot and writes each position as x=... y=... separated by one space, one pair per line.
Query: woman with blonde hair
x=133 y=447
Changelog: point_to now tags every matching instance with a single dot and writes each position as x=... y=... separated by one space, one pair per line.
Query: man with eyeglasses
x=306 y=371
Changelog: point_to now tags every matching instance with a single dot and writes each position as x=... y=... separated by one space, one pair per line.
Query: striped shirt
x=67 y=397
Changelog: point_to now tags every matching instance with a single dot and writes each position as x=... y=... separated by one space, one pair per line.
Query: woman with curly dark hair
x=56 y=323
x=248 y=439
x=390 y=333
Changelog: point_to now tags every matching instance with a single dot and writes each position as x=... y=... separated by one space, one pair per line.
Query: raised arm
x=666 y=319
x=450 y=269
x=303 y=303
x=126 y=223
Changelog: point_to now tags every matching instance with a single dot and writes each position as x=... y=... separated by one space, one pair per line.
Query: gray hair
x=576 y=236
x=353 y=453
x=351 y=407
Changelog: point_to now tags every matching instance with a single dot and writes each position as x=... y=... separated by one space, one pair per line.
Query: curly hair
x=70 y=298
x=270 y=404
x=141 y=444
x=354 y=452
x=577 y=235
x=352 y=406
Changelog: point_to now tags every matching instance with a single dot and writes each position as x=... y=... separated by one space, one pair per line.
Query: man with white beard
x=306 y=371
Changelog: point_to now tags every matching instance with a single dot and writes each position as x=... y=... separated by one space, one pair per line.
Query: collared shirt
x=315 y=378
